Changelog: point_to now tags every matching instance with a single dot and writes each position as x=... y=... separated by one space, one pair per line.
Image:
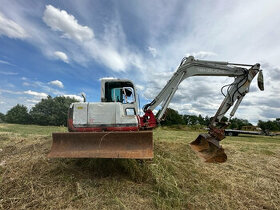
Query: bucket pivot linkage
x=207 y=146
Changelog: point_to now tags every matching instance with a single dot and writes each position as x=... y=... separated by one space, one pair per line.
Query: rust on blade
x=134 y=145
x=208 y=148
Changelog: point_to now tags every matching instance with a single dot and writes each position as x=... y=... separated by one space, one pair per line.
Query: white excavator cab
x=117 y=111
x=106 y=129
x=120 y=91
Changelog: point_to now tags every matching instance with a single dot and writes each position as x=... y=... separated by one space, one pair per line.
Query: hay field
x=175 y=179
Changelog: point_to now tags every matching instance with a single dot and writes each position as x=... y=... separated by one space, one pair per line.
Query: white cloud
x=11 y=29
x=10 y=91
x=8 y=73
x=34 y=93
x=139 y=87
x=79 y=98
x=153 y=51
x=45 y=87
x=26 y=84
x=107 y=78
x=60 y=20
x=62 y=56
x=28 y=98
x=33 y=101
x=6 y=62
x=56 y=83
x=201 y=54
x=110 y=49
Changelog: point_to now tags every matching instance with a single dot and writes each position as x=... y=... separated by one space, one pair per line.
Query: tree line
x=49 y=111
x=172 y=117
x=53 y=111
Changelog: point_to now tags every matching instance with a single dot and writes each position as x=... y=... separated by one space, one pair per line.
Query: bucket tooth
x=209 y=149
x=132 y=145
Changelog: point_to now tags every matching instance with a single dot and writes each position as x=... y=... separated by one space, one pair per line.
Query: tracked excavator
x=113 y=128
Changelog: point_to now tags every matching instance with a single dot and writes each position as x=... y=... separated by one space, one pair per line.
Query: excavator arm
x=190 y=67
x=208 y=144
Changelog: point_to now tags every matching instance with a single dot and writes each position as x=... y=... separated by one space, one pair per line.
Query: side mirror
x=260 y=80
x=84 y=96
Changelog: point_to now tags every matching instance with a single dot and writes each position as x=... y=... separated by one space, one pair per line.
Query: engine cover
x=102 y=116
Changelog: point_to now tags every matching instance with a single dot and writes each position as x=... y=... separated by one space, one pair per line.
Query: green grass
x=25 y=130
x=175 y=178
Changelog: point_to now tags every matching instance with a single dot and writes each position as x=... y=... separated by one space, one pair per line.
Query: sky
x=63 y=48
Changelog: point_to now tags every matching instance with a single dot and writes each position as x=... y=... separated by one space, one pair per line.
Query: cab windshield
x=119 y=92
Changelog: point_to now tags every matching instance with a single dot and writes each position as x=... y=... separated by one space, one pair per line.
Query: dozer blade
x=134 y=145
x=208 y=148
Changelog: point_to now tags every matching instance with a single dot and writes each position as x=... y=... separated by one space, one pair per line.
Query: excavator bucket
x=131 y=145
x=209 y=149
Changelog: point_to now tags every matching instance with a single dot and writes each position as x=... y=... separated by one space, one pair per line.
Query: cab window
x=117 y=95
x=116 y=91
x=130 y=111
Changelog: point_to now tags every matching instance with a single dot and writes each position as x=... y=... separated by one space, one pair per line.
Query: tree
x=172 y=117
x=194 y=120
x=191 y=119
x=2 y=117
x=18 y=114
x=269 y=125
x=207 y=120
x=51 y=111
x=200 y=120
x=238 y=123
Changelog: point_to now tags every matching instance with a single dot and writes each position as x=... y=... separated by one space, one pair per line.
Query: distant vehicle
x=232 y=132
x=250 y=128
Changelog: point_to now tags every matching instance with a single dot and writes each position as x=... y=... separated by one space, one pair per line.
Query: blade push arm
x=191 y=67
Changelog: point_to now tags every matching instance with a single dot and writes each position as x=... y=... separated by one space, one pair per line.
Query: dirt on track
x=176 y=178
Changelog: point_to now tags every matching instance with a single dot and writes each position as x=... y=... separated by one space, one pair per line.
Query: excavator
x=113 y=128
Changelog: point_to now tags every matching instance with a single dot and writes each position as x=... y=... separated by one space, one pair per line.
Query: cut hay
x=176 y=178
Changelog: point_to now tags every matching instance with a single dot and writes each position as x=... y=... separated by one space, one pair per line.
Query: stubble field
x=175 y=178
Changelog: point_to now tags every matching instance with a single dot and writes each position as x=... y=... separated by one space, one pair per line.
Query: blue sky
x=65 y=47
